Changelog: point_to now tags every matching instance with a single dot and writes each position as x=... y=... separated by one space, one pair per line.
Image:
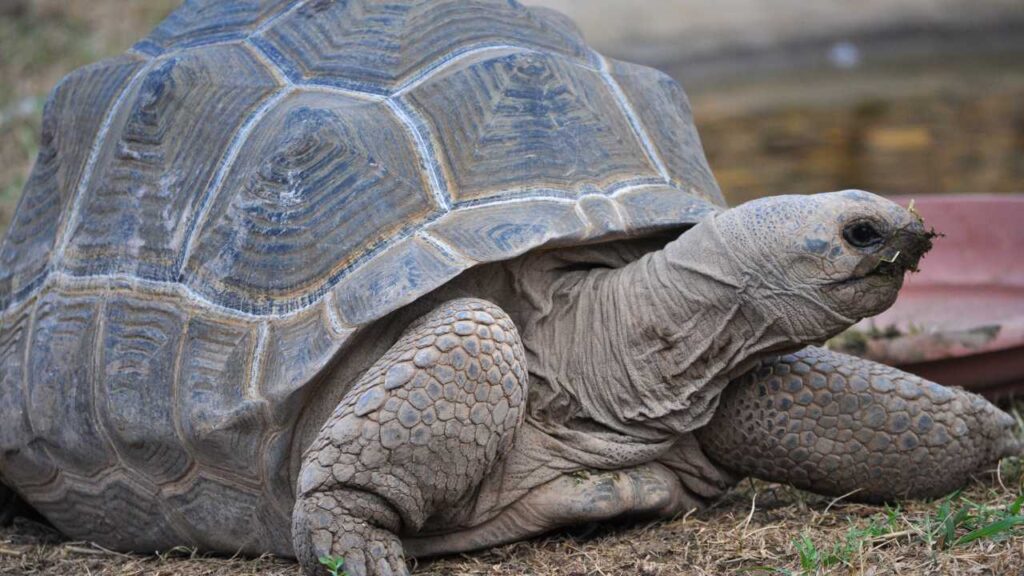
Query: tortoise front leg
x=412 y=440
x=835 y=424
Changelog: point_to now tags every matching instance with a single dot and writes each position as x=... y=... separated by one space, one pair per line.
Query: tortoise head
x=826 y=260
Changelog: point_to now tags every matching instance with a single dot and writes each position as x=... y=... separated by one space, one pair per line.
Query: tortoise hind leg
x=412 y=440
x=646 y=492
x=837 y=424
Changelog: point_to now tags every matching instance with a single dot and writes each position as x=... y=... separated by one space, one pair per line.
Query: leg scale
x=412 y=440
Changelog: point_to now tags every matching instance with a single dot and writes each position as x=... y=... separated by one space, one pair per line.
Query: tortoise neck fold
x=646 y=349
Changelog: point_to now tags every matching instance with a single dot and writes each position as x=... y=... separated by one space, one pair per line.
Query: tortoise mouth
x=885 y=273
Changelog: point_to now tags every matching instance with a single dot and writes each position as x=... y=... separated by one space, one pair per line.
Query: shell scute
x=376 y=47
x=22 y=461
x=529 y=121
x=72 y=119
x=158 y=160
x=295 y=351
x=221 y=425
x=495 y=232
x=113 y=511
x=225 y=515
x=322 y=181
x=397 y=276
x=199 y=22
x=652 y=208
x=136 y=397
x=663 y=108
x=61 y=378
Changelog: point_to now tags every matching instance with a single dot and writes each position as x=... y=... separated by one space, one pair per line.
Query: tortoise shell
x=214 y=213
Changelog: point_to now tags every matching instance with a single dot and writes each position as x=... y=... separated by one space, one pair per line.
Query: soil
x=758 y=528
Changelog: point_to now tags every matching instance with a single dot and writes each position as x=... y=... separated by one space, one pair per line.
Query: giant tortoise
x=370 y=279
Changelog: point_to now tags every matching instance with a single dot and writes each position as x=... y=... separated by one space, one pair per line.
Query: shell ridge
x=634 y=121
x=275 y=70
x=445 y=248
x=452 y=59
x=626 y=188
x=256 y=368
x=269 y=23
x=96 y=394
x=274 y=56
x=123 y=281
x=313 y=87
x=330 y=308
x=429 y=160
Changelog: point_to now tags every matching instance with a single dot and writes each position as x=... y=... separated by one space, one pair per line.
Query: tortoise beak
x=913 y=242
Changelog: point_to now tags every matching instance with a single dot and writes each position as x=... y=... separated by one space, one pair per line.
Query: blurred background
x=898 y=96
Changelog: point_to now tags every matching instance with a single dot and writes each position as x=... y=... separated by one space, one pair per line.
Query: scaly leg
x=836 y=424
x=412 y=440
x=646 y=491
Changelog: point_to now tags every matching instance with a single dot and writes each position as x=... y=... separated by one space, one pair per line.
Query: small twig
x=750 y=516
x=89 y=551
x=893 y=535
x=839 y=498
x=999 y=476
x=762 y=529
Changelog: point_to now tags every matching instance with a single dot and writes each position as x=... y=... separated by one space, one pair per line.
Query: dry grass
x=758 y=529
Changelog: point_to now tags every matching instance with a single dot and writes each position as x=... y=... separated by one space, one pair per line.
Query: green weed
x=958 y=521
x=955 y=521
x=333 y=565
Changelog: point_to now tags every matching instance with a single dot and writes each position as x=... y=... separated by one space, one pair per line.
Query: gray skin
x=543 y=393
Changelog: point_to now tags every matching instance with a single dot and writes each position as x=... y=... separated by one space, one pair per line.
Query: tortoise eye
x=862 y=235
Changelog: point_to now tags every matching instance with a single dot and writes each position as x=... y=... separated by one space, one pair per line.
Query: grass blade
x=993 y=529
x=1014 y=508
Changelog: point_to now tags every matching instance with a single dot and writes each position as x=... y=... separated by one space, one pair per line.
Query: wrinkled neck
x=647 y=348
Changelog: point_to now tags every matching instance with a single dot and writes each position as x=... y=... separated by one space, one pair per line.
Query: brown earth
x=758 y=528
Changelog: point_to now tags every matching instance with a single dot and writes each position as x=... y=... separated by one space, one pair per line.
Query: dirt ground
x=759 y=528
